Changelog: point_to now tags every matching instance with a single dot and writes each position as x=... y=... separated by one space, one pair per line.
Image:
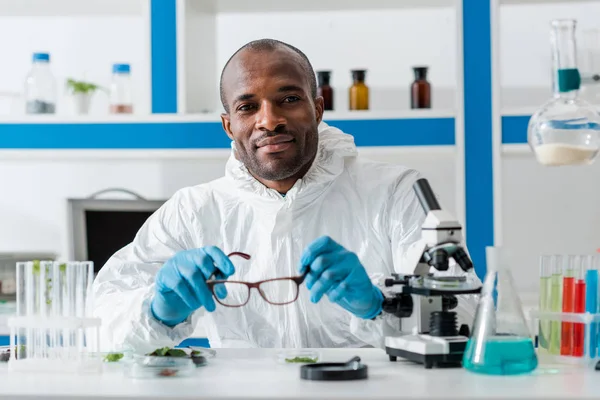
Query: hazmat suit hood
x=334 y=150
x=368 y=207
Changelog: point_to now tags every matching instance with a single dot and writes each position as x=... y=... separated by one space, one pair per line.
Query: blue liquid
x=591 y=306
x=501 y=355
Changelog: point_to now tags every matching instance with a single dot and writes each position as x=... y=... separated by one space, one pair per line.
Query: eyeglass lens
x=276 y=291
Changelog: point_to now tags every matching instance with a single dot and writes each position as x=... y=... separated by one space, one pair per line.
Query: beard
x=279 y=166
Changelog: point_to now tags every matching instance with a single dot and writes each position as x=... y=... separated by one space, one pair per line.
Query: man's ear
x=226 y=125
x=319 y=108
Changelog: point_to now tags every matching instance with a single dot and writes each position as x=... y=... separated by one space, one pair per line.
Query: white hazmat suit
x=370 y=208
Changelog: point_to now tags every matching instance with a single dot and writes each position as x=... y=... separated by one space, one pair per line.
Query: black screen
x=109 y=231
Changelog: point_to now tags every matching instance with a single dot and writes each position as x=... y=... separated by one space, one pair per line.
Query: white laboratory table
x=255 y=374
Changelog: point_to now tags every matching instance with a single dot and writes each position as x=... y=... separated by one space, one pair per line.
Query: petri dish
x=159 y=367
x=291 y=356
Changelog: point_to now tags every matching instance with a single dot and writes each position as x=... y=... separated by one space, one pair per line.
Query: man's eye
x=245 y=107
x=291 y=99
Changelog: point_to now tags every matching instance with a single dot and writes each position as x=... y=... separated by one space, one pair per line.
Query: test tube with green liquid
x=555 y=302
x=545 y=302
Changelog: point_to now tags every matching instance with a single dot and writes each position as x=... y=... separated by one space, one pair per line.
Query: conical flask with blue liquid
x=501 y=343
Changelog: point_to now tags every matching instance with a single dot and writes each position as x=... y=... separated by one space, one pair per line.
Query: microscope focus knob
x=449 y=302
x=401 y=305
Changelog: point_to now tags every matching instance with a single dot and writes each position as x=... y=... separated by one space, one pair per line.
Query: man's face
x=272 y=117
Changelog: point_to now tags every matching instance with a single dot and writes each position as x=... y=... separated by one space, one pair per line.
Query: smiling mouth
x=275 y=140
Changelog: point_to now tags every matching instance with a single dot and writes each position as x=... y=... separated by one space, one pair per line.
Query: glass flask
x=359 y=91
x=564 y=131
x=501 y=343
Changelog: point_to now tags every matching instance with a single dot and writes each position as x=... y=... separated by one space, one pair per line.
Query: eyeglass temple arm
x=217 y=272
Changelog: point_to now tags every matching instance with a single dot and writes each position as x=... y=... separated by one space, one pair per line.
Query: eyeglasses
x=276 y=291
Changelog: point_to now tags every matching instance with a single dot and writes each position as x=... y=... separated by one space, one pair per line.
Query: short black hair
x=270 y=45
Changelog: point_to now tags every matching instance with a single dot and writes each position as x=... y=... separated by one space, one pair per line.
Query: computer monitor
x=101 y=227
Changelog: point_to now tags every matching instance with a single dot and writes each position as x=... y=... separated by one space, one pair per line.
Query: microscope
x=422 y=301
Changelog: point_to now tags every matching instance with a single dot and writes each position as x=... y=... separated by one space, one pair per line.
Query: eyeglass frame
x=211 y=283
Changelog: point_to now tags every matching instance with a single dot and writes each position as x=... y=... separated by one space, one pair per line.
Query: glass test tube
x=84 y=303
x=545 y=300
x=593 y=305
x=555 y=302
x=579 y=306
x=568 y=303
x=68 y=308
x=591 y=300
x=25 y=307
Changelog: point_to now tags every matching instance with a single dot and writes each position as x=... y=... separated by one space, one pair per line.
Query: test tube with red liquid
x=579 y=304
x=566 y=342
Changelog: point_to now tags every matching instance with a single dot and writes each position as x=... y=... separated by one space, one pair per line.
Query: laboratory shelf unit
x=75 y=34
x=329 y=32
x=529 y=199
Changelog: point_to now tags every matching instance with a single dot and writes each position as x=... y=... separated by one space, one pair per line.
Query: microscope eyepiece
x=426 y=196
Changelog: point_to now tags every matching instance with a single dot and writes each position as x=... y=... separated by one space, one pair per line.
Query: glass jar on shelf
x=121 y=93
x=359 y=91
x=324 y=89
x=565 y=130
x=420 y=89
x=40 y=86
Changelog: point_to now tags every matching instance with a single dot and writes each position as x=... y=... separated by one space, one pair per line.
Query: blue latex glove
x=337 y=272
x=181 y=284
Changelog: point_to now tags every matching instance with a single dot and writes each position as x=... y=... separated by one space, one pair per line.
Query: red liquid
x=578 y=328
x=566 y=340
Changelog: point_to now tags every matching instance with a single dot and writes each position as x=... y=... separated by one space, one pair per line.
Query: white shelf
x=84 y=39
x=71 y=7
x=238 y=6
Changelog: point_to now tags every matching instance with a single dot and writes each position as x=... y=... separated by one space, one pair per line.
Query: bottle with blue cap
x=565 y=130
x=121 y=93
x=40 y=86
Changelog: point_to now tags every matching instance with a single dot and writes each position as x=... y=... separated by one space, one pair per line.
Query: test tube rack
x=568 y=318
x=588 y=323
x=53 y=329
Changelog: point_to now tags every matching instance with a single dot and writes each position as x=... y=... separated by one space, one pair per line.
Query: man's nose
x=269 y=118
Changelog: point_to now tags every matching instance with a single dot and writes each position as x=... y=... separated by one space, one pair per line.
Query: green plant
x=81 y=86
x=37 y=270
x=168 y=352
x=113 y=357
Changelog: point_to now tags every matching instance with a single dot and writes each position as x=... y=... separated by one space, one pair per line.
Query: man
x=296 y=199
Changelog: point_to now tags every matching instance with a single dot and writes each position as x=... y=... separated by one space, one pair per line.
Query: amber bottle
x=359 y=92
x=324 y=89
x=420 y=90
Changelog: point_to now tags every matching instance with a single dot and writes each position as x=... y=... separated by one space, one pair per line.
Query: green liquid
x=501 y=355
x=555 y=306
x=545 y=305
x=568 y=79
